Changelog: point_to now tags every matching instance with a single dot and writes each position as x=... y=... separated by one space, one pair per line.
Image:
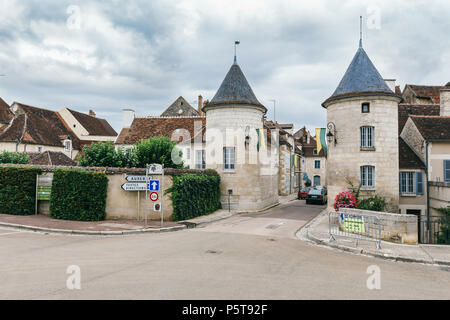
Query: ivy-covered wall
x=78 y=195
x=18 y=190
x=195 y=195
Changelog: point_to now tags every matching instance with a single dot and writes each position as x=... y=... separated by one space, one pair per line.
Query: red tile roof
x=433 y=127
x=407 y=158
x=145 y=128
x=428 y=92
x=51 y=158
x=95 y=126
x=5 y=113
x=405 y=110
x=37 y=126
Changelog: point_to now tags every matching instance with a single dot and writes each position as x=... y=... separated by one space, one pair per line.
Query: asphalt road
x=244 y=257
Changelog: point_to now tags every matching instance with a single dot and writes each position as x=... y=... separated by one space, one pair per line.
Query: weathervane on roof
x=360 y=31
x=235 y=45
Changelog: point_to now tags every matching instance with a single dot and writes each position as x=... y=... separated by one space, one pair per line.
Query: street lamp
x=331 y=135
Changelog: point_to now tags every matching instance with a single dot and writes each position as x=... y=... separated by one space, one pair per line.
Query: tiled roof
x=308 y=148
x=361 y=78
x=433 y=127
x=145 y=128
x=180 y=108
x=95 y=126
x=235 y=90
x=5 y=114
x=407 y=158
x=37 y=126
x=51 y=158
x=428 y=92
x=405 y=110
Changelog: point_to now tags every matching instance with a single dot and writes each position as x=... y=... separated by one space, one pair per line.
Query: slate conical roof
x=235 y=90
x=361 y=78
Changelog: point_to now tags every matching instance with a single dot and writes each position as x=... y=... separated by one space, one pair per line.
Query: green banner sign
x=43 y=193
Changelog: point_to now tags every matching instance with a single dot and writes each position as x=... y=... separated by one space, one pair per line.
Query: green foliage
x=375 y=203
x=18 y=190
x=194 y=195
x=158 y=150
x=444 y=233
x=78 y=195
x=14 y=157
x=154 y=150
x=104 y=154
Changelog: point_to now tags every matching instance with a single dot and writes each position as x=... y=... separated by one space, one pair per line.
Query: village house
x=29 y=129
x=256 y=159
x=394 y=144
x=313 y=163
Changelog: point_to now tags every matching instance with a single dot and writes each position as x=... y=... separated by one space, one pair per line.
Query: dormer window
x=315 y=152
x=365 y=107
x=67 y=145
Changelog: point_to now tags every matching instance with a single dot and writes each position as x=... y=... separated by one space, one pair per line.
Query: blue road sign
x=153 y=185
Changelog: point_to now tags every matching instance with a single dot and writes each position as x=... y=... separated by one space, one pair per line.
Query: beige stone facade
x=347 y=157
x=253 y=182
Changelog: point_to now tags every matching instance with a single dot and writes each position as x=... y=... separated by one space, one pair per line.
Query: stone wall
x=439 y=196
x=399 y=228
x=345 y=159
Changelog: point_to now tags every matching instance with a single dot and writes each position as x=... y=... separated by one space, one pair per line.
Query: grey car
x=317 y=195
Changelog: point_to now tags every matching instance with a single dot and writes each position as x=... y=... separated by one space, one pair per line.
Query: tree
x=14 y=157
x=160 y=150
x=100 y=154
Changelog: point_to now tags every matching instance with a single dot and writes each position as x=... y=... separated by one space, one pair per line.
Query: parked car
x=303 y=193
x=317 y=195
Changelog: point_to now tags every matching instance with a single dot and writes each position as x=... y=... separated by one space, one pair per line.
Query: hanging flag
x=320 y=140
x=261 y=139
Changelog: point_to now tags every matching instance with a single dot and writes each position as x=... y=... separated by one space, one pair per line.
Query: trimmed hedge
x=18 y=190
x=195 y=195
x=78 y=195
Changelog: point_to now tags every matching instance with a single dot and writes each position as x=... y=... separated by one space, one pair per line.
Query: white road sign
x=134 y=186
x=154 y=169
x=154 y=196
x=137 y=178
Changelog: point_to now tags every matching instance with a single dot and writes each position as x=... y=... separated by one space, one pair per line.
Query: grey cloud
x=144 y=54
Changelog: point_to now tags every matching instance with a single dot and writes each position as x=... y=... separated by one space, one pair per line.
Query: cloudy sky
x=111 y=55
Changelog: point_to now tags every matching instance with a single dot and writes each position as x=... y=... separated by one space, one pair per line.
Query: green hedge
x=194 y=195
x=18 y=190
x=78 y=195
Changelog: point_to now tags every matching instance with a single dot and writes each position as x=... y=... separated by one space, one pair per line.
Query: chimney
x=390 y=83
x=92 y=113
x=308 y=137
x=200 y=105
x=445 y=102
x=128 y=117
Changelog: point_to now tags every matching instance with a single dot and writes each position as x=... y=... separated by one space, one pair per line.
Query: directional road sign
x=134 y=186
x=137 y=178
x=153 y=185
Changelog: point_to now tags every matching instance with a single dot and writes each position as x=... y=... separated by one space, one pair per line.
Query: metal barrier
x=355 y=226
x=434 y=230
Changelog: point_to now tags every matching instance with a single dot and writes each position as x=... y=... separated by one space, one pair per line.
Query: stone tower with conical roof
x=362 y=116
x=232 y=119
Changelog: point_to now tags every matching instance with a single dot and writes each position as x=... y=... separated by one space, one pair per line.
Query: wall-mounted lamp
x=247 y=136
x=331 y=135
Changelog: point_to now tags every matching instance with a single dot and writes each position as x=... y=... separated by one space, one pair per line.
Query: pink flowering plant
x=345 y=199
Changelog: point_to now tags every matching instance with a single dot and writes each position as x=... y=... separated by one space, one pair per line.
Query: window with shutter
x=419 y=182
x=446 y=170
